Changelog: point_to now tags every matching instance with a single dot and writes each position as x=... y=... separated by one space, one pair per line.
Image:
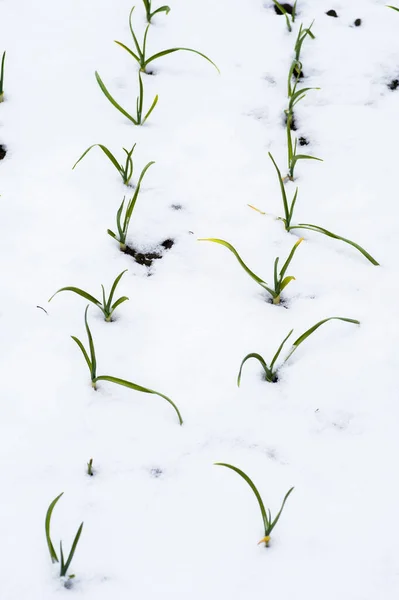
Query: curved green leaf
x=113 y=101
x=78 y=291
x=274 y=523
x=53 y=554
x=171 y=50
x=259 y=358
x=139 y=388
x=266 y=522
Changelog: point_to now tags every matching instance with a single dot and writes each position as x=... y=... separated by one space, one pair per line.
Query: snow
x=159 y=518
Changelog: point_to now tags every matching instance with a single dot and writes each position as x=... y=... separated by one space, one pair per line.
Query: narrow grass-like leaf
x=3 y=58
x=312 y=329
x=318 y=229
x=53 y=554
x=107 y=153
x=284 y=12
x=114 y=286
x=265 y=518
x=275 y=357
x=393 y=7
x=171 y=50
x=139 y=388
x=238 y=257
x=78 y=291
x=274 y=523
x=261 y=360
x=113 y=101
x=65 y=568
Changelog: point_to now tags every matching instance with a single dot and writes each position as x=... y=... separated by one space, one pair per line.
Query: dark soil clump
x=358 y=22
x=3 y=151
x=394 y=84
x=332 y=13
x=147 y=258
x=287 y=7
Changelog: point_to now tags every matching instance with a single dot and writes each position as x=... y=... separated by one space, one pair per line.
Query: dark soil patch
x=287 y=7
x=332 y=13
x=298 y=74
x=147 y=258
x=358 y=22
x=303 y=141
x=3 y=151
x=394 y=84
x=176 y=206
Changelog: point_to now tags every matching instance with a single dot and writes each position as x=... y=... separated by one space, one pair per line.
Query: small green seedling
x=90 y=468
x=302 y=35
x=91 y=362
x=268 y=523
x=124 y=170
x=286 y=14
x=3 y=58
x=293 y=157
x=141 y=57
x=280 y=280
x=295 y=95
x=139 y=119
x=123 y=227
x=288 y=215
x=149 y=14
x=106 y=306
x=270 y=372
x=54 y=558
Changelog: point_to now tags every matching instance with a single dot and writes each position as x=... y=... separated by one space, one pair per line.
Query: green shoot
x=294 y=95
x=90 y=468
x=302 y=34
x=393 y=7
x=270 y=372
x=64 y=566
x=123 y=227
x=106 y=306
x=280 y=280
x=285 y=13
x=149 y=14
x=138 y=119
x=288 y=215
x=124 y=170
x=91 y=362
x=293 y=157
x=140 y=55
x=268 y=523
x=3 y=58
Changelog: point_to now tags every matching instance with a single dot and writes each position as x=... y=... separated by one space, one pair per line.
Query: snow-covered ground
x=159 y=519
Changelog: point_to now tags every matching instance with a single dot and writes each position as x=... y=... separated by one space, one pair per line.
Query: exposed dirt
x=287 y=7
x=147 y=258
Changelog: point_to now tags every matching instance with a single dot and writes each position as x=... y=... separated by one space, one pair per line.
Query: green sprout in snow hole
x=143 y=59
x=151 y=13
x=289 y=213
x=268 y=523
x=91 y=361
x=125 y=170
x=122 y=224
x=64 y=566
x=280 y=279
x=90 y=468
x=269 y=371
x=106 y=306
x=3 y=58
x=282 y=11
x=139 y=119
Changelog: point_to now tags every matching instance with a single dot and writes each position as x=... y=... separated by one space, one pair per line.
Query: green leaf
x=393 y=7
x=83 y=350
x=53 y=554
x=312 y=329
x=266 y=522
x=275 y=357
x=113 y=101
x=289 y=259
x=72 y=552
x=2 y=73
x=118 y=302
x=78 y=291
x=106 y=152
x=128 y=50
x=274 y=523
x=286 y=281
x=140 y=52
x=165 y=9
x=238 y=257
x=282 y=188
x=114 y=286
x=259 y=358
x=153 y=105
x=171 y=50
x=318 y=229
x=132 y=201
x=91 y=346
x=139 y=388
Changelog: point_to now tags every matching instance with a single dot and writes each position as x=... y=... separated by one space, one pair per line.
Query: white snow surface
x=160 y=520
